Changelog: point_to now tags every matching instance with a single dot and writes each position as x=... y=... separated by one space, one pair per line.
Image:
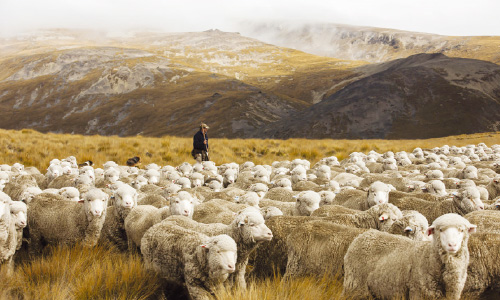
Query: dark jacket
x=198 y=141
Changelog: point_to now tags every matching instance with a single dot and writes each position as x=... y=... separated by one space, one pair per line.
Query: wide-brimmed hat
x=203 y=125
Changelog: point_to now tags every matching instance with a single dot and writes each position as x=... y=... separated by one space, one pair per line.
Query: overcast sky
x=447 y=17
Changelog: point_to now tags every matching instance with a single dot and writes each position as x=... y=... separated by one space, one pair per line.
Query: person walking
x=200 y=144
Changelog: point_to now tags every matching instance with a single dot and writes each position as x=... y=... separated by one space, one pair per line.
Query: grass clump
x=81 y=273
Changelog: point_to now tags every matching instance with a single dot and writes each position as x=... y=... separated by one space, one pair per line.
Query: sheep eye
x=218 y=251
x=177 y=201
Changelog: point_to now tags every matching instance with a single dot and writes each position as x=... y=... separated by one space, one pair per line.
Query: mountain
x=422 y=96
x=158 y=83
x=369 y=43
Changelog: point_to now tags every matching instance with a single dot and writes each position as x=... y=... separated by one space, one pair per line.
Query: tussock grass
x=278 y=288
x=81 y=273
x=33 y=148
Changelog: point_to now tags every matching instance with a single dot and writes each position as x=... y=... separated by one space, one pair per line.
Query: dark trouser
x=202 y=153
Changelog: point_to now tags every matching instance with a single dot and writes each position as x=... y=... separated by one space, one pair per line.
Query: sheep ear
x=408 y=229
x=430 y=230
x=472 y=228
x=205 y=246
x=81 y=201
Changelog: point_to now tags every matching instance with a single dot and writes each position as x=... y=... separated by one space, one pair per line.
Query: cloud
x=459 y=17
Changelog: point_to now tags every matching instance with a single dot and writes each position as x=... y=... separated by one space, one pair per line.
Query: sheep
x=4 y=179
x=306 y=203
x=260 y=188
x=247 y=229
x=216 y=211
x=270 y=211
x=189 y=258
x=327 y=197
x=281 y=194
x=62 y=181
x=436 y=187
x=463 y=202
x=271 y=257
x=305 y=185
x=229 y=177
x=319 y=246
x=155 y=200
x=483 y=269
x=493 y=188
x=70 y=193
x=113 y=229
x=139 y=220
x=250 y=198
x=19 y=212
x=378 y=193
x=380 y=216
x=486 y=220
x=15 y=187
x=8 y=233
x=29 y=193
x=382 y=265
x=66 y=221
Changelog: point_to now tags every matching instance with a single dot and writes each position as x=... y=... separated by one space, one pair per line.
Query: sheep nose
x=186 y=211
x=230 y=267
x=97 y=212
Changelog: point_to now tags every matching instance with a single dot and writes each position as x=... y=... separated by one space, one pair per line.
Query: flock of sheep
x=392 y=224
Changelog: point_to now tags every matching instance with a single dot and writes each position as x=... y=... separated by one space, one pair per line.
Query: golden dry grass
x=32 y=148
x=81 y=273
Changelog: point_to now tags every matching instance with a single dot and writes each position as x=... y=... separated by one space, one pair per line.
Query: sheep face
x=270 y=211
x=184 y=207
x=449 y=231
x=250 y=198
x=18 y=211
x=126 y=197
x=139 y=182
x=307 y=202
x=70 y=193
x=327 y=198
x=470 y=172
x=96 y=202
x=387 y=214
x=111 y=175
x=251 y=224
x=378 y=193
x=30 y=193
x=221 y=255
x=470 y=199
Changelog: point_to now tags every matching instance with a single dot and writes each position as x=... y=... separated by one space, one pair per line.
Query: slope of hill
x=157 y=83
x=422 y=96
x=370 y=43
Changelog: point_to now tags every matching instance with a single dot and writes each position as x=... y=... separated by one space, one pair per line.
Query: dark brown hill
x=422 y=96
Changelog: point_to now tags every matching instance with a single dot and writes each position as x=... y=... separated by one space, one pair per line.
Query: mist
x=446 y=17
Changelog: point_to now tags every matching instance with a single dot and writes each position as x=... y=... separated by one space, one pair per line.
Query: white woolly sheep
x=463 y=202
x=19 y=213
x=250 y=199
x=327 y=197
x=260 y=188
x=270 y=211
x=436 y=187
x=247 y=229
x=318 y=247
x=8 y=234
x=139 y=220
x=306 y=203
x=189 y=258
x=438 y=268
x=67 y=222
x=113 y=229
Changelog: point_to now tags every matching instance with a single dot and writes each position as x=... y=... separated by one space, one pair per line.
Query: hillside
x=370 y=43
x=422 y=96
x=157 y=83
